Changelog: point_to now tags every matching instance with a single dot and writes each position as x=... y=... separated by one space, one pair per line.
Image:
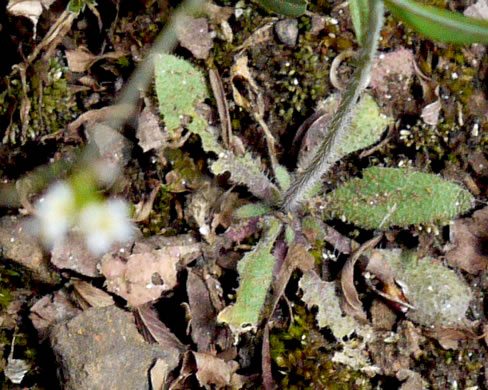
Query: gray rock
x=101 y=349
x=287 y=31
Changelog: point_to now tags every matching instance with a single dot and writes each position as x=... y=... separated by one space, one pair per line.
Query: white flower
x=56 y=212
x=105 y=223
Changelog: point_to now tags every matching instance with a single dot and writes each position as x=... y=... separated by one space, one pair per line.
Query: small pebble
x=287 y=31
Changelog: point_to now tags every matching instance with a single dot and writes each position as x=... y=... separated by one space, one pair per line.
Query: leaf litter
x=150 y=272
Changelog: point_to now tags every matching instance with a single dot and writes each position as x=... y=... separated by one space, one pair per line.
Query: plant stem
x=326 y=154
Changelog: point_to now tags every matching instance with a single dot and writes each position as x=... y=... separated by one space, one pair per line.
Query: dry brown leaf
x=51 y=309
x=156 y=329
x=430 y=113
x=214 y=371
x=90 y=296
x=448 y=338
x=468 y=235
x=193 y=35
x=31 y=9
x=144 y=207
x=159 y=374
x=148 y=272
x=203 y=314
x=149 y=131
x=352 y=304
x=80 y=59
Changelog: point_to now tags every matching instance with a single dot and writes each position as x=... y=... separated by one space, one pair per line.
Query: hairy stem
x=326 y=154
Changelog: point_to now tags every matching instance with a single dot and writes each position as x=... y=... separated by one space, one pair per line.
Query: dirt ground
x=60 y=81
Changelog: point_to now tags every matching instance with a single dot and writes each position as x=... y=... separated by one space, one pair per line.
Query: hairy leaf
x=251 y=210
x=248 y=171
x=179 y=87
x=439 y=24
x=256 y=274
x=387 y=197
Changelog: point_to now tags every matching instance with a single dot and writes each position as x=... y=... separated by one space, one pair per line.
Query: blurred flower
x=104 y=223
x=56 y=213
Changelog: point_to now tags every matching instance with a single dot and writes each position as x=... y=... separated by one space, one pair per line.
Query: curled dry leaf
x=87 y=295
x=214 y=371
x=81 y=59
x=155 y=329
x=352 y=304
x=31 y=9
x=159 y=374
x=468 y=236
x=430 y=113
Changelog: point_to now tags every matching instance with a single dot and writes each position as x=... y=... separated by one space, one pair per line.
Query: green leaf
x=439 y=24
x=251 y=210
x=291 y=8
x=387 y=197
x=256 y=274
x=179 y=87
x=282 y=177
x=359 y=13
x=247 y=170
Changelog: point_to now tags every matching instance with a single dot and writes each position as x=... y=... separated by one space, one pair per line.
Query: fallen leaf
x=158 y=331
x=51 y=309
x=143 y=209
x=159 y=374
x=448 y=338
x=430 y=113
x=214 y=371
x=193 y=35
x=88 y=295
x=80 y=59
x=413 y=380
x=352 y=304
x=149 y=131
x=469 y=237
x=148 y=272
x=203 y=314
x=31 y=9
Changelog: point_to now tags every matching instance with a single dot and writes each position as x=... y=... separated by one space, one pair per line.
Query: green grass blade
x=359 y=13
x=291 y=8
x=439 y=24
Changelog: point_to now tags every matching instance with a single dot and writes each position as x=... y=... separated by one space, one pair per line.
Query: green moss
x=52 y=104
x=304 y=358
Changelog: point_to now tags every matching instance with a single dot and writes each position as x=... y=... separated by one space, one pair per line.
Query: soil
x=57 y=102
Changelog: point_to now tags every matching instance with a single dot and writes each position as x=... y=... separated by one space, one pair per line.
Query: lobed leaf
x=179 y=87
